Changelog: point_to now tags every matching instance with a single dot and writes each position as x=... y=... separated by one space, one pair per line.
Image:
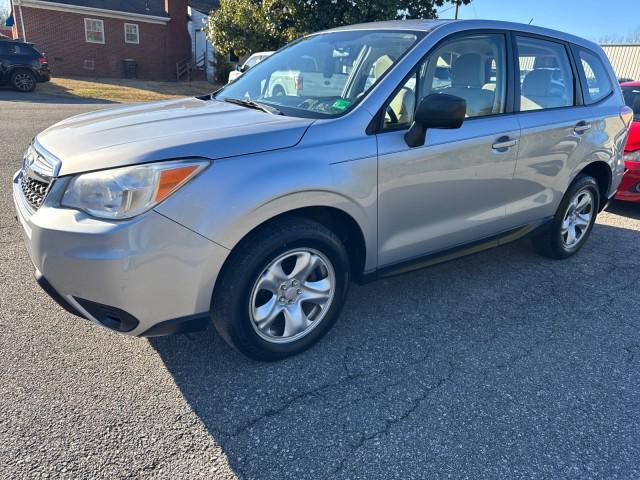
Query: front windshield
x=632 y=99
x=321 y=75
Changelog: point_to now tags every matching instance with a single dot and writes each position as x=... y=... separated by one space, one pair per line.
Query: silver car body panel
x=182 y=128
x=150 y=267
x=407 y=202
x=334 y=165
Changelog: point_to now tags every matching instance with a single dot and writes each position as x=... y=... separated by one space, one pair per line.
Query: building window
x=94 y=30
x=131 y=33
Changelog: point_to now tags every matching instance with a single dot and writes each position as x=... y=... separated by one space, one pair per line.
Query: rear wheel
x=573 y=221
x=23 y=80
x=282 y=289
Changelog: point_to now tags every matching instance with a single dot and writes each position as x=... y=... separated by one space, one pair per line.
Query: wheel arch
x=342 y=223
x=601 y=172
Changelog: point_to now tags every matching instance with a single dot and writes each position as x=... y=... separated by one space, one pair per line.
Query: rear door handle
x=582 y=127
x=504 y=143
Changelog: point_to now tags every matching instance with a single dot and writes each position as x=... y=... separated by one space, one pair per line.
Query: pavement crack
x=391 y=422
x=347 y=378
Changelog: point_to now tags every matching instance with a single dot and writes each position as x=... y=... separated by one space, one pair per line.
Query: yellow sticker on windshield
x=341 y=104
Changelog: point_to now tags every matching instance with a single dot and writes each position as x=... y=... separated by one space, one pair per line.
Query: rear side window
x=598 y=83
x=632 y=99
x=546 y=77
x=16 y=49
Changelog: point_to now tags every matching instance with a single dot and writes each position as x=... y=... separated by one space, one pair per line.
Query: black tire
x=232 y=297
x=550 y=242
x=23 y=80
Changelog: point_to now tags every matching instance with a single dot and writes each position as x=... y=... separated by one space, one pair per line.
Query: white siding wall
x=200 y=45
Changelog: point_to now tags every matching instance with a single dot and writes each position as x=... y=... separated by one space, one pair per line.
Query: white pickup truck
x=308 y=80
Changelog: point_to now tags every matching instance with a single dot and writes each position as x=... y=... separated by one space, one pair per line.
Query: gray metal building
x=625 y=59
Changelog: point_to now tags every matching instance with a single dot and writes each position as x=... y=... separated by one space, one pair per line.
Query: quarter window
x=472 y=67
x=94 y=30
x=131 y=33
x=546 y=78
x=598 y=84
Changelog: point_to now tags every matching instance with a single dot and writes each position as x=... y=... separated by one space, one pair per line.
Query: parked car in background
x=630 y=186
x=256 y=210
x=22 y=66
x=252 y=61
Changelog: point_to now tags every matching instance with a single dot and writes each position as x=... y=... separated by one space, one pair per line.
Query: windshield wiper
x=254 y=105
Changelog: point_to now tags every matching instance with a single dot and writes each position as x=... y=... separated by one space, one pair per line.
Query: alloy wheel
x=577 y=219
x=24 y=82
x=292 y=295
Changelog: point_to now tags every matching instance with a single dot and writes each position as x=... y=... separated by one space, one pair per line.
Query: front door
x=454 y=189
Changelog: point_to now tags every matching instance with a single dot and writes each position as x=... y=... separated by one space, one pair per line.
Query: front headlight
x=125 y=192
x=632 y=156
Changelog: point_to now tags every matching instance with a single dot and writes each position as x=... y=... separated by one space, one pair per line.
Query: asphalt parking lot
x=501 y=365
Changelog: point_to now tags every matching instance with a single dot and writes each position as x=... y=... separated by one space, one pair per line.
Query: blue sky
x=591 y=19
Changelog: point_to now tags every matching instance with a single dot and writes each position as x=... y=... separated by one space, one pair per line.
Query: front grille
x=34 y=191
x=39 y=168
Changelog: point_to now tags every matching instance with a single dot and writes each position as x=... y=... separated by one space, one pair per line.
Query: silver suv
x=419 y=141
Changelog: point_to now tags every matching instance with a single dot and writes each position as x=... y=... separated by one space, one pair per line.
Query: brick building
x=94 y=37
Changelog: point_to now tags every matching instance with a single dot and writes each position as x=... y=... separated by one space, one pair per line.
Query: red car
x=629 y=189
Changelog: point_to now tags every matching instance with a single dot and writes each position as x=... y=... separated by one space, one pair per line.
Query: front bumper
x=629 y=189
x=153 y=269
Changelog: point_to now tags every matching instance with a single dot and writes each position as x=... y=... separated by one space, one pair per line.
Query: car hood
x=633 y=143
x=172 y=129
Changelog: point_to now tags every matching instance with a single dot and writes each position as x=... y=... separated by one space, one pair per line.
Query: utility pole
x=457 y=7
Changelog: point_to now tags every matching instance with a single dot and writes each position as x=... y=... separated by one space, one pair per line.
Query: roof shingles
x=141 y=7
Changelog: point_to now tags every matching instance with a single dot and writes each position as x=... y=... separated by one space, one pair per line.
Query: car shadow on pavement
x=451 y=369
x=625 y=209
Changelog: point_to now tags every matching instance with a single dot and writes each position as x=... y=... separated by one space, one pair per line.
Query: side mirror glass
x=436 y=111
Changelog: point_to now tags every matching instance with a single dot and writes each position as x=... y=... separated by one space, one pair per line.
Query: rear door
x=555 y=127
x=602 y=95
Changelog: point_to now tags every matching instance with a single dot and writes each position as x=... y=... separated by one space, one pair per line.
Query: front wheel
x=573 y=221
x=282 y=289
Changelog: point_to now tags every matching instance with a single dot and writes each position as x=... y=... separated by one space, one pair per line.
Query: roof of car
x=630 y=84
x=431 y=25
x=419 y=25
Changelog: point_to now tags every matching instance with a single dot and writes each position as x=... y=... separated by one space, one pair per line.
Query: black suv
x=22 y=66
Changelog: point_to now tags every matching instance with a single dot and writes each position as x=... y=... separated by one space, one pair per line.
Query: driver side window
x=473 y=67
x=401 y=108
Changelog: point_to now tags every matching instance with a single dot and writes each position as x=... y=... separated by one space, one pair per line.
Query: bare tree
x=633 y=36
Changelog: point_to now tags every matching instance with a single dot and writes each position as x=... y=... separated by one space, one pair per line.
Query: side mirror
x=436 y=111
x=238 y=68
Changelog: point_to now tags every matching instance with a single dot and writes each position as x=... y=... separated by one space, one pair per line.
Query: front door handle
x=504 y=143
x=582 y=127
